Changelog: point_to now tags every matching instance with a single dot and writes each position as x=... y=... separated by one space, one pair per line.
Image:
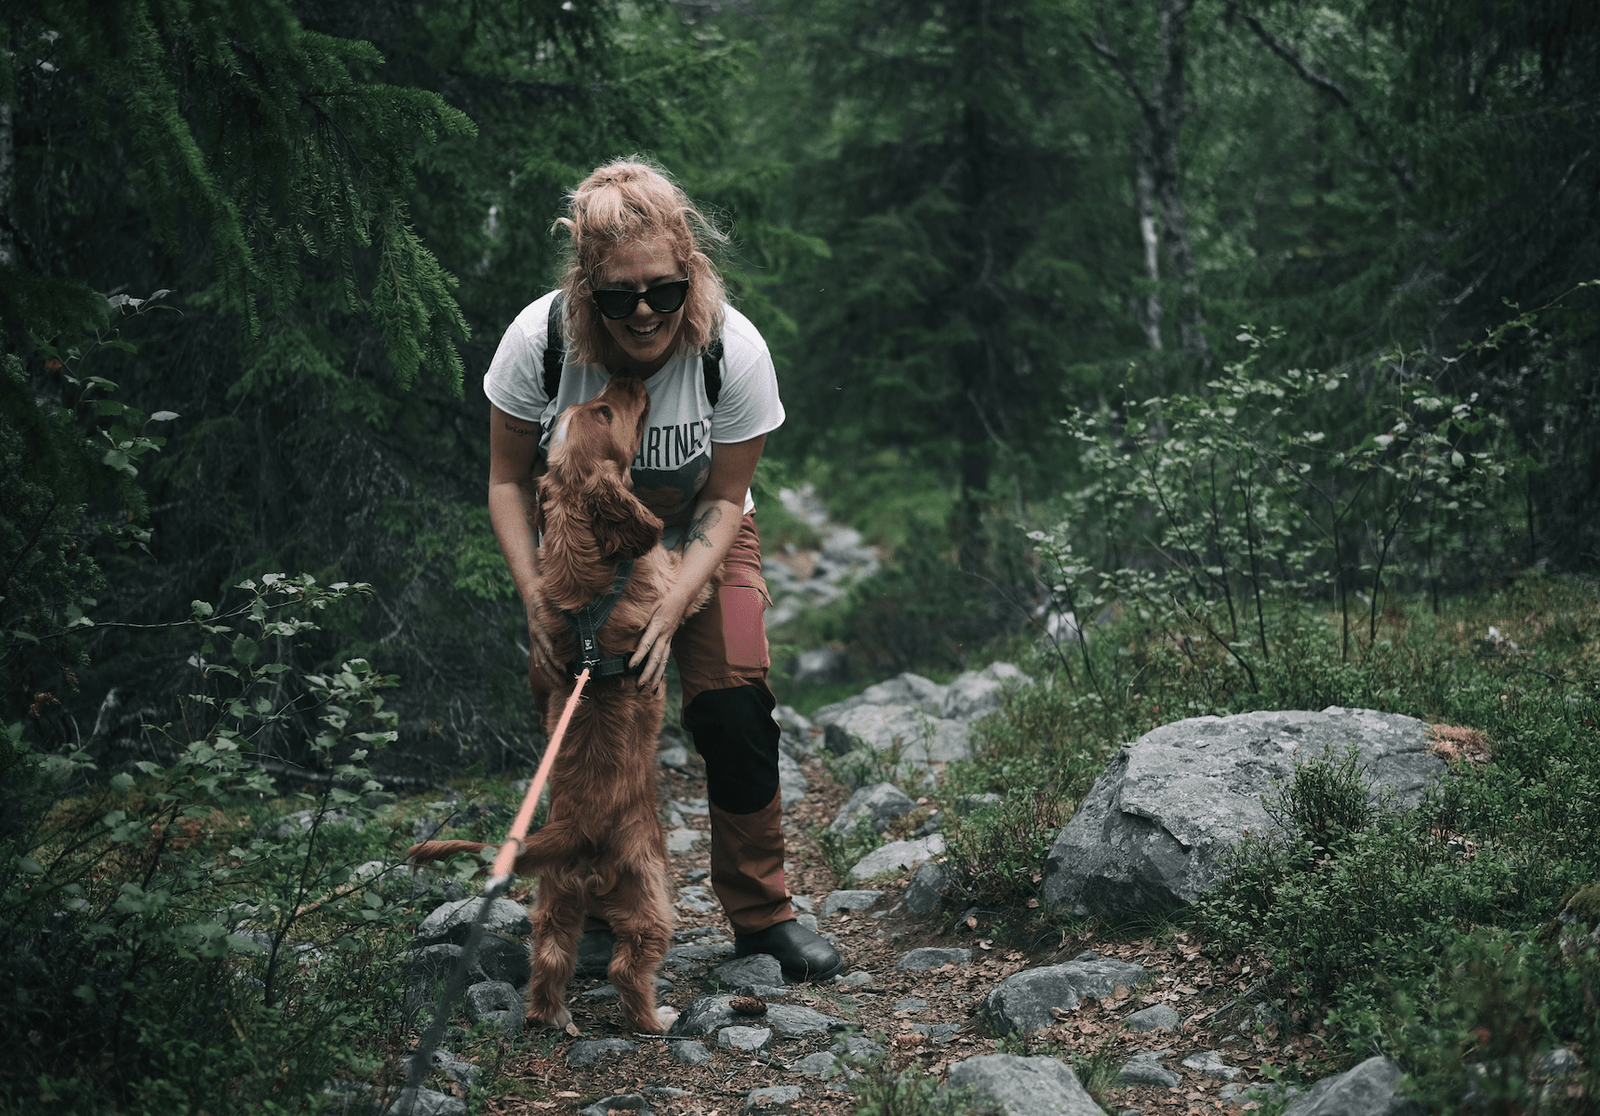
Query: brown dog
x=602 y=847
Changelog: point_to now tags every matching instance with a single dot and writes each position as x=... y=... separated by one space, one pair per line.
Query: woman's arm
x=515 y=465
x=717 y=515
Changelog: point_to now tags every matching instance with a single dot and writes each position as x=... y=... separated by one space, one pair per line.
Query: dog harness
x=587 y=622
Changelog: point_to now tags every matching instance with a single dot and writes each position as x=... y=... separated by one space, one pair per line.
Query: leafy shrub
x=149 y=914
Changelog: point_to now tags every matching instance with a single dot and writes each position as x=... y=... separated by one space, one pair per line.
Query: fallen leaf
x=572 y=1029
x=569 y=1096
x=972 y=922
x=1033 y=904
x=986 y=944
x=1188 y=990
x=1119 y=991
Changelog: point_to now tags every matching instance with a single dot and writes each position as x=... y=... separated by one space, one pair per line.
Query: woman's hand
x=544 y=673
x=655 y=645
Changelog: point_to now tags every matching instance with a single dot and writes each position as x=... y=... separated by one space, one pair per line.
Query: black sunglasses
x=667 y=298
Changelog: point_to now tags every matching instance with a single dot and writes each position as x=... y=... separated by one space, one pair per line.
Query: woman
x=640 y=297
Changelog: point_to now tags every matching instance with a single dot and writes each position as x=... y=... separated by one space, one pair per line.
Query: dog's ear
x=623 y=526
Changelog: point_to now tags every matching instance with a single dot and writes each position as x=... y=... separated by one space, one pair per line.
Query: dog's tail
x=430 y=851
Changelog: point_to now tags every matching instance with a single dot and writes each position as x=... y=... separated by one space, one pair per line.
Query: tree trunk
x=8 y=163
x=1148 y=308
x=1158 y=178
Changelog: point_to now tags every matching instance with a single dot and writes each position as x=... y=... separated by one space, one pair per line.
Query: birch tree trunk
x=1158 y=177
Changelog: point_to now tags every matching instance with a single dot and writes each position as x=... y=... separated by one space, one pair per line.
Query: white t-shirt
x=674 y=457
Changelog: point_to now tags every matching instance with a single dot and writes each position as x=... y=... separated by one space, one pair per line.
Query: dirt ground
x=872 y=941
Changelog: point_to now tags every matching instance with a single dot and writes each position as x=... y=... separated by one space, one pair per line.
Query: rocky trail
x=1159 y=1028
x=1150 y=1026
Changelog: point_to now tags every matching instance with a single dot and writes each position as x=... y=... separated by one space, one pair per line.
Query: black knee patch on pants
x=734 y=732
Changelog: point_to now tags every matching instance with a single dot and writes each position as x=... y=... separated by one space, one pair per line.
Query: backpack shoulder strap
x=711 y=369
x=555 y=348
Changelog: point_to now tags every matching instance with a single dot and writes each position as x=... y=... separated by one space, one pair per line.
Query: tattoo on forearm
x=697 y=530
x=523 y=431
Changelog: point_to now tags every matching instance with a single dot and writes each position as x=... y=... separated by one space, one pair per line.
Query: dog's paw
x=667 y=1016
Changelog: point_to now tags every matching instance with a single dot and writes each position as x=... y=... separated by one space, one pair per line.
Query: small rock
x=855 y=979
x=848 y=901
x=927 y=886
x=1158 y=1018
x=792 y=782
x=940 y=1033
x=1023 y=1001
x=665 y=1091
x=793 y=1021
x=1146 y=1069
x=1557 y=1063
x=821 y=1064
x=897 y=855
x=631 y=1102
x=495 y=1001
x=809 y=921
x=1036 y=1086
x=910 y=1003
x=858 y=1049
x=690 y=1053
x=1210 y=1063
x=880 y=804
x=427 y=1102
x=587 y=1051
x=744 y=1039
x=684 y=840
x=773 y=1096
x=609 y=991
x=697 y=954
x=697 y=899
x=745 y=974
x=1370 y=1089
x=825 y=664
x=425 y=829
x=931 y=957
x=452 y=922
x=673 y=755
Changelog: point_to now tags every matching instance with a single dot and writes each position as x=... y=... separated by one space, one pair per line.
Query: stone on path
x=755 y=973
x=684 y=840
x=427 y=1102
x=857 y=1048
x=495 y=1001
x=586 y=1052
x=683 y=956
x=746 y=1040
x=879 y=804
x=452 y=922
x=931 y=957
x=711 y=1013
x=848 y=901
x=690 y=1053
x=1022 y=1001
x=976 y=693
x=1146 y=1069
x=773 y=1096
x=1158 y=1018
x=631 y=1102
x=1210 y=1063
x=1152 y=833
x=897 y=855
x=1036 y=1086
x=1370 y=1089
x=792 y=783
x=821 y=1064
x=927 y=886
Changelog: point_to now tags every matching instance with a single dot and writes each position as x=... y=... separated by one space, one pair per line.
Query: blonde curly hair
x=625 y=202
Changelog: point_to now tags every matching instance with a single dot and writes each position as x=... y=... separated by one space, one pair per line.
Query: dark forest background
x=255 y=257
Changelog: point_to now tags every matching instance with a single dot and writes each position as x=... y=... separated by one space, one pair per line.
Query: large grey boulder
x=1370 y=1089
x=792 y=782
x=1152 y=832
x=911 y=690
x=1022 y=1001
x=976 y=693
x=1037 y=1086
x=879 y=803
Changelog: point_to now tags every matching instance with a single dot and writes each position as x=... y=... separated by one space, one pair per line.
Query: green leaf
x=164 y=416
x=202 y=609
x=122 y=782
x=246 y=650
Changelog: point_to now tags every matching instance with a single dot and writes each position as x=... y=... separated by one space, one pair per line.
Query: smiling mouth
x=644 y=334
